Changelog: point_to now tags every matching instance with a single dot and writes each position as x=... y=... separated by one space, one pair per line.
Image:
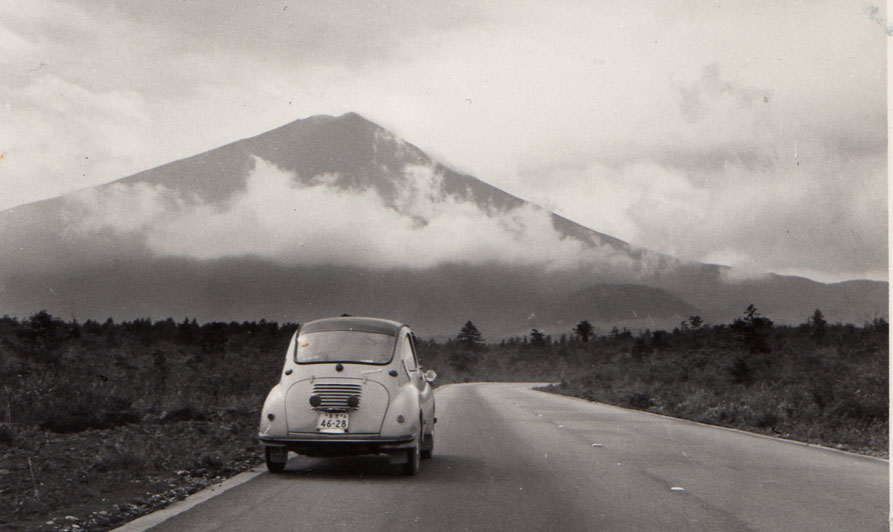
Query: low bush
x=121 y=457
x=7 y=434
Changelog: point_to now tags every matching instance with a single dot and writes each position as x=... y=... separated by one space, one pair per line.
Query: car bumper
x=338 y=444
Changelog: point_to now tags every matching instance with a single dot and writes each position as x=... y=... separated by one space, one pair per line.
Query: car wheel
x=428 y=445
x=414 y=456
x=273 y=467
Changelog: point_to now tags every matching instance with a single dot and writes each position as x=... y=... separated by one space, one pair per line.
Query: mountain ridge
x=63 y=253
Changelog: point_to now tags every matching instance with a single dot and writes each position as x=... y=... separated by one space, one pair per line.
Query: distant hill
x=608 y=302
x=328 y=215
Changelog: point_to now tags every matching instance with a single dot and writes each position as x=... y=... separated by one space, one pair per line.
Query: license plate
x=333 y=422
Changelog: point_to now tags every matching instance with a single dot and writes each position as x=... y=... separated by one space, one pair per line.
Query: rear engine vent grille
x=336 y=395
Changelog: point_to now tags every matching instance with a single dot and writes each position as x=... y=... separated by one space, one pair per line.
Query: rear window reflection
x=344 y=346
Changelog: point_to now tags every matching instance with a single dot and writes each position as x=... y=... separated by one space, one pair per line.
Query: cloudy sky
x=744 y=133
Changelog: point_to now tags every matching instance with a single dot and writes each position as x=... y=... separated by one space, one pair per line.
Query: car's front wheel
x=275 y=459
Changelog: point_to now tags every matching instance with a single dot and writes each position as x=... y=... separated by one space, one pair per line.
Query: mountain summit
x=358 y=154
x=328 y=215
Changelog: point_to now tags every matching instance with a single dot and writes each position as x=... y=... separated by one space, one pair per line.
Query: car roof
x=352 y=323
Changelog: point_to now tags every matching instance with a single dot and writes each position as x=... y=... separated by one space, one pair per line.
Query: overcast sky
x=751 y=134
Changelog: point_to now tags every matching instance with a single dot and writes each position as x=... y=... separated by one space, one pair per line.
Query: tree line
x=752 y=329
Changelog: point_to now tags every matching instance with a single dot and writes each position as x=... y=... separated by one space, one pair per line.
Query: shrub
x=741 y=372
x=212 y=461
x=639 y=400
x=7 y=434
x=765 y=418
x=187 y=413
x=78 y=410
x=121 y=457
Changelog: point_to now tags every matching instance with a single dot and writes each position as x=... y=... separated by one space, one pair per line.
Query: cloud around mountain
x=292 y=221
x=335 y=214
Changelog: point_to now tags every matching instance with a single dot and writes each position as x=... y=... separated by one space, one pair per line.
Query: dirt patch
x=101 y=479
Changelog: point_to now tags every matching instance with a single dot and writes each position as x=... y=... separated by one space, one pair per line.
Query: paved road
x=509 y=458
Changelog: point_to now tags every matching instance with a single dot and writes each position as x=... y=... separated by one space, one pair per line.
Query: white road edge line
x=157 y=517
x=739 y=431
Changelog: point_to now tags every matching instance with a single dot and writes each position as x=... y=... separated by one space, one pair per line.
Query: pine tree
x=470 y=337
x=753 y=330
x=537 y=338
x=584 y=331
x=819 y=325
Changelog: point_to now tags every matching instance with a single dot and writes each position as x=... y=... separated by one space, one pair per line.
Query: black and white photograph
x=444 y=266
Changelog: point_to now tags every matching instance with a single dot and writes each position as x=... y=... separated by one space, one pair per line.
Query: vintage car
x=350 y=386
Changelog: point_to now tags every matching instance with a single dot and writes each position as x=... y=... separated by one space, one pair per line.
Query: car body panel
x=301 y=419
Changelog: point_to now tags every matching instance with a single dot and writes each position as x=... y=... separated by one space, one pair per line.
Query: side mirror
x=430 y=375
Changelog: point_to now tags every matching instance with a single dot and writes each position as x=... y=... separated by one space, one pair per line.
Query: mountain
x=329 y=215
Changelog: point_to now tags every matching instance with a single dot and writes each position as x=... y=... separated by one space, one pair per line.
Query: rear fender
x=273 y=406
x=405 y=404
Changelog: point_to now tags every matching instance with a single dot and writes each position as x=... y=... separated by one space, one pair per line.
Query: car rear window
x=344 y=346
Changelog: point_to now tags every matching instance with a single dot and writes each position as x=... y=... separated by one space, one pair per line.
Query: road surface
x=510 y=458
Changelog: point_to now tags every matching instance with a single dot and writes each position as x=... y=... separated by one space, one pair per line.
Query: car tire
x=428 y=446
x=273 y=467
x=414 y=456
